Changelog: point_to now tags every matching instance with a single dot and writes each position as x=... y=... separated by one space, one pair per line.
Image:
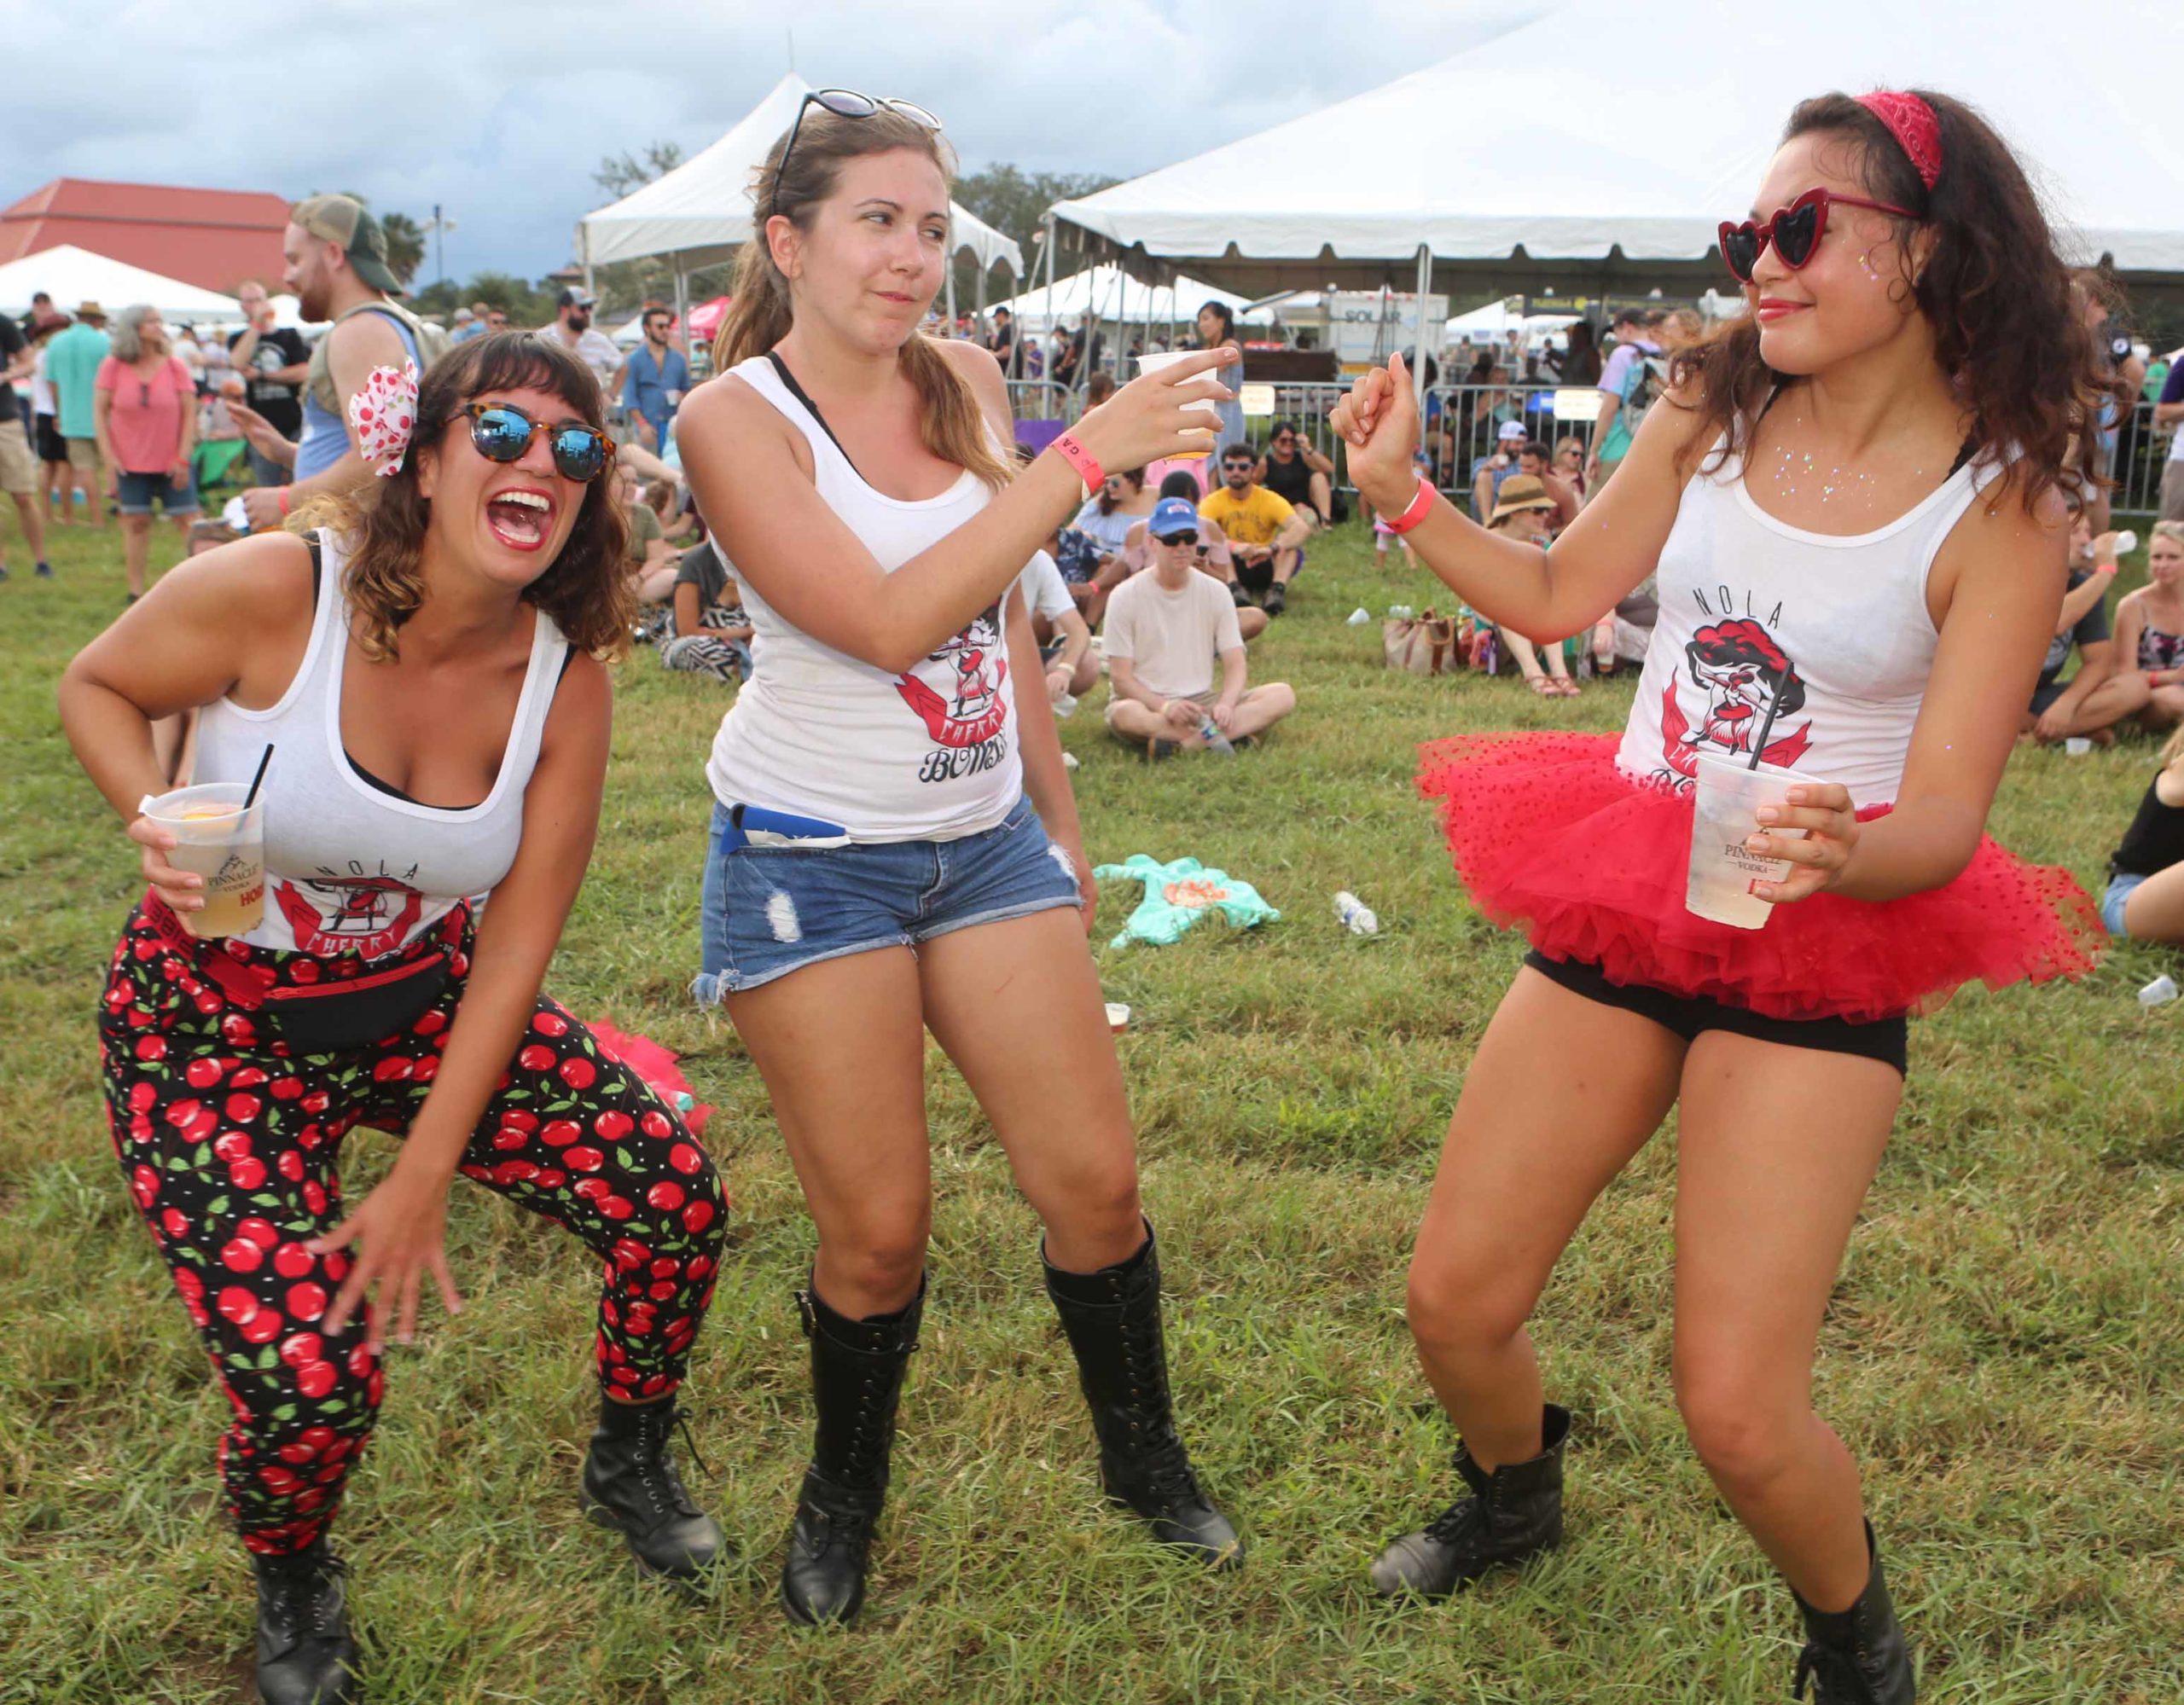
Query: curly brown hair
x=586 y=589
x=2007 y=329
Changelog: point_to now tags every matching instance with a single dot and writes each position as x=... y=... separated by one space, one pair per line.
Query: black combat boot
x=857 y=1382
x=305 y=1654
x=1113 y=1319
x=1512 y=1514
x=631 y=1485
x=1857 y=1657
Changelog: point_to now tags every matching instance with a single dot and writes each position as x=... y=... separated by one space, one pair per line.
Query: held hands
x=182 y=890
x=1378 y=421
x=1149 y=417
x=1824 y=810
x=402 y=1225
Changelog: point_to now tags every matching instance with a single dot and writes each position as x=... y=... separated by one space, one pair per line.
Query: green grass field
x=2003 y=1354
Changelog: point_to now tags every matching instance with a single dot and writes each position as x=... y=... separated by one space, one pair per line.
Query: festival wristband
x=1086 y=464
x=1420 y=507
x=283 y=492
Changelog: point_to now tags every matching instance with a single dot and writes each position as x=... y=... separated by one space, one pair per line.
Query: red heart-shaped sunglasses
x=1795 y=230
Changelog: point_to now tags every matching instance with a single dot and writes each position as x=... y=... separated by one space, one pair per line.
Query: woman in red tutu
x=1852 y=499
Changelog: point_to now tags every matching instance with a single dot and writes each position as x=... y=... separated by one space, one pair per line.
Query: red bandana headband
x=1911 y=121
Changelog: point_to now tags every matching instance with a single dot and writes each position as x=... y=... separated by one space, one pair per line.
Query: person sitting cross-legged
x=1165 y=630
x=711 y=633
x=1266 y=532
x=1213 y=556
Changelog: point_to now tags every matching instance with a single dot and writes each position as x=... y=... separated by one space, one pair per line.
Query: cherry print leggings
x=229 y=1143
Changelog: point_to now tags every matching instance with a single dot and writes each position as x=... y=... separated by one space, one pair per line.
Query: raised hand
x=1377 y=420
x=1151 y=418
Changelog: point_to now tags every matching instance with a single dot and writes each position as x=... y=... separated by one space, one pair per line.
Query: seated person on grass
x=1266 y=534
x=2148 y=683
x=1488 y=472
x=1212 y=557
x=1521 y=513
x=1292 y=469
x=1065 y=640
x=712 y=635
x=2144 y=898
x=2059 y=708
x=653 y=560
x=1165 y=630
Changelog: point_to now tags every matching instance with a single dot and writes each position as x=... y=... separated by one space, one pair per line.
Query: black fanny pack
x=317 y=1017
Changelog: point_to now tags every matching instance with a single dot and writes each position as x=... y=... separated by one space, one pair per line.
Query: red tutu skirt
x=1548 y=833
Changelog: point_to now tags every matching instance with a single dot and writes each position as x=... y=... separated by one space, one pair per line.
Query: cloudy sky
x=501 y=113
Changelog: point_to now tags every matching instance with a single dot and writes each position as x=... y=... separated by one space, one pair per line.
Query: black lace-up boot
x=1512 y=1514
x=305 y=1654
x=630 y=1484
x=1857 y=1657
x=1113 y=1319
x=857 y=1381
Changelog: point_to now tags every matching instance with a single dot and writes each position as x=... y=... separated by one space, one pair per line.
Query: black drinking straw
x=266 y=758
x=1759 y=745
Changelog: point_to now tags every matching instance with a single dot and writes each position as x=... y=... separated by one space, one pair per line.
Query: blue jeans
x=766 y=911
x=2112 y=902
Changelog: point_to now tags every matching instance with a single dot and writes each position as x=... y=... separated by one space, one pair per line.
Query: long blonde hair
x=951 y=423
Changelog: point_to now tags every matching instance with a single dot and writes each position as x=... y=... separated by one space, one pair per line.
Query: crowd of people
x=451 y=534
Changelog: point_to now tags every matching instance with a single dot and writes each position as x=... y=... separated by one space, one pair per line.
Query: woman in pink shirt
x=145 y=412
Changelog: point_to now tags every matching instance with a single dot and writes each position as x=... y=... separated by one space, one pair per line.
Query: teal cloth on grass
x=1178 y=894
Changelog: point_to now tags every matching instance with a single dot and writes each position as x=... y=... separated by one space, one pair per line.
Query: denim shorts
x=177 y=496
x=2112 y=902
x=768 y=910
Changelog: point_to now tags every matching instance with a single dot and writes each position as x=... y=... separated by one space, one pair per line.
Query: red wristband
x=1086 y=464
x=1420 y=506
x=283 y=492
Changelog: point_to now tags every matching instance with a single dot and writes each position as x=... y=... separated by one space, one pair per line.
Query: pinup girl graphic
x=1911 y=325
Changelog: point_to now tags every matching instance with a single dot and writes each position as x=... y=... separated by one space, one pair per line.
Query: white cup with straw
x=219 y=833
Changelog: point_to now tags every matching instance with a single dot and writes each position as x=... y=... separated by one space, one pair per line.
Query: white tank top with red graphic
x=929 y=754
x=1753 y=609
x=352 y=866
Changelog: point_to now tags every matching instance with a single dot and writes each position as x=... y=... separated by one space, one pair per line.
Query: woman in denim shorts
x=2144 y=897
x=893 y=850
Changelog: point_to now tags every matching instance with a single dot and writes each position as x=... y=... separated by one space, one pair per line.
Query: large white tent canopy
x=1106 y=293
x=71 y=275
x=1517 y=181
x=701 y=212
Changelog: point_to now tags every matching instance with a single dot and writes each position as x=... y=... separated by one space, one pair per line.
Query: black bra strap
x=318 y=565
x=796 y=391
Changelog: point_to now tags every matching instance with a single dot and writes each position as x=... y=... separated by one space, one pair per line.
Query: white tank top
x=351 y=868
x=927 y=755
x=1749 y=603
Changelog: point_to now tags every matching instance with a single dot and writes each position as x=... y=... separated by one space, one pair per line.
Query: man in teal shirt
x=72 y=363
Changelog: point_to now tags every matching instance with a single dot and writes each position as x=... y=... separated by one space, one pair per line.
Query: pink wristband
x=1086 y=464
x=1420 y=506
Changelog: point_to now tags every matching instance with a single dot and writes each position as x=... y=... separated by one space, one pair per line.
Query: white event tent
x=1483 y=176
x=71 y=275
x=699 y=213
x=1107 y=293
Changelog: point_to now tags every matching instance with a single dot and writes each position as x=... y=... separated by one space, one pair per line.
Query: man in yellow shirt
x=1266 y=532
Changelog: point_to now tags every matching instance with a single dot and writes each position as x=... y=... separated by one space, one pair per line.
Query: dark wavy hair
x=586 y=589
x=1998 y=296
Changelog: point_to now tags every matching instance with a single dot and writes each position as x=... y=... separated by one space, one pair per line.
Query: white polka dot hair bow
x=383 y=413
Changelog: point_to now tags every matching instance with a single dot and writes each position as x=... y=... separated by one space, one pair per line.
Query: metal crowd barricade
x=2141 y=456
x=1041 y=400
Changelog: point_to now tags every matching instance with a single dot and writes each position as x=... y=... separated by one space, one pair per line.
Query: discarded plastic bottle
x=1355 y=915
x=2159 y=992
x=1210 y=732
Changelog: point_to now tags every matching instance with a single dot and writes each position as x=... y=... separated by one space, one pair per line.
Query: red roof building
x=211 y=238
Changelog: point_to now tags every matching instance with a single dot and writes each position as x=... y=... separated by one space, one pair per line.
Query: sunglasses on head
x=501 y=432
x=843 y=103
x=1795 y=230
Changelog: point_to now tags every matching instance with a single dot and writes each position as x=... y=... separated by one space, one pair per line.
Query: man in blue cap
x=1165 y=630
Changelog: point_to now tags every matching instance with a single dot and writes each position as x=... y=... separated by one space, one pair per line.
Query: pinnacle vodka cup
x=1724 y=814
x=216 y=839
x=1155 y=363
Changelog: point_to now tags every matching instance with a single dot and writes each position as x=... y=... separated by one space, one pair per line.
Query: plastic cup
x=216 y=839
x=1725 y=814
x=2078 y=745
x=1118 y=1017
x=1155 y=363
